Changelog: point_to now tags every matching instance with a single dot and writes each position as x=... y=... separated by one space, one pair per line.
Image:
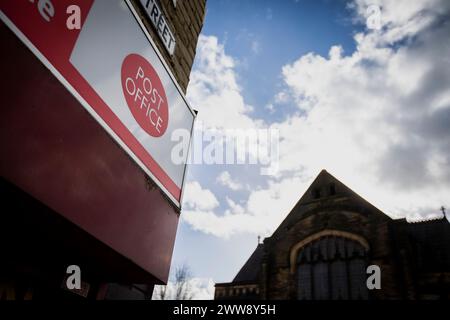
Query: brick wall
x=185 y=21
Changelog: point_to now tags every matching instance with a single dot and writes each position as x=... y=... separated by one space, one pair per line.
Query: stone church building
x=323 y=247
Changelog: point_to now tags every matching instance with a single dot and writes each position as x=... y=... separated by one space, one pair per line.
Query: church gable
x=328 y=193
x=323 y=247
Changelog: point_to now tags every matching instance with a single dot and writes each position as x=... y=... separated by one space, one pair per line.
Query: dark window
x=316 y=193
x=332 y=268
x=332 y=189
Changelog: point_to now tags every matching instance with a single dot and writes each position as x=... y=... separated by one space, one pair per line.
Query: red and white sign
x=113 y=68
x=145 y=95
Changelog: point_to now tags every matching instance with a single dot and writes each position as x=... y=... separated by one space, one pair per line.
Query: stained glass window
x=332 y=268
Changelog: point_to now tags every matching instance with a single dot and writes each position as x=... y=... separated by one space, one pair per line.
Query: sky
x=367 y=100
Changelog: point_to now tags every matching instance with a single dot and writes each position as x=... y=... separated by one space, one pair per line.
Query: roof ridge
x=425 y=219
x=249 y=271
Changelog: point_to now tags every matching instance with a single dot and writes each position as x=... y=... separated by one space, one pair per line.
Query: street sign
x=156 y=16
x=112 y=66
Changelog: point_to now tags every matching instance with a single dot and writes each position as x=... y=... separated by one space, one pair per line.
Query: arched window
x=332 y=268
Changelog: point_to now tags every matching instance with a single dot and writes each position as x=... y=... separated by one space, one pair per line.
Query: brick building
x=323 y=247
x=185 y=19
x=71 y=194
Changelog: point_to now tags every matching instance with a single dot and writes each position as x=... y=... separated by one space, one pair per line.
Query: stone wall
x=335 y=215
x=236 y=292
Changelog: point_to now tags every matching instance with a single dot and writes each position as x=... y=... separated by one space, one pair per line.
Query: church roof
x=249 y=271
x=430 y=240
x=326 y=187
x=323 y=188
x=326 y=192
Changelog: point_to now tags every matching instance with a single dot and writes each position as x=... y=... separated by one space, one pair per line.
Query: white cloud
x=234 y=208
x=221 y=226
x=214 y=90
x=263 y=212
x=270 y=108
x=372 y=118
x=199 y=289
x=195 y=197
x=377 y=119
x=225 y=179
x=401 y=18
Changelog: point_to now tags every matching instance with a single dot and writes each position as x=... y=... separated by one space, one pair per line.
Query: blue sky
x=283 y=31
x=265 y=35
x=367 y=104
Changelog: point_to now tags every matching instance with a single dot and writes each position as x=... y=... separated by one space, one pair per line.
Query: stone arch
x=337 y=233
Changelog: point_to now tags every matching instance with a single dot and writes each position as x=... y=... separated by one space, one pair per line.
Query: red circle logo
x=145 y=95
